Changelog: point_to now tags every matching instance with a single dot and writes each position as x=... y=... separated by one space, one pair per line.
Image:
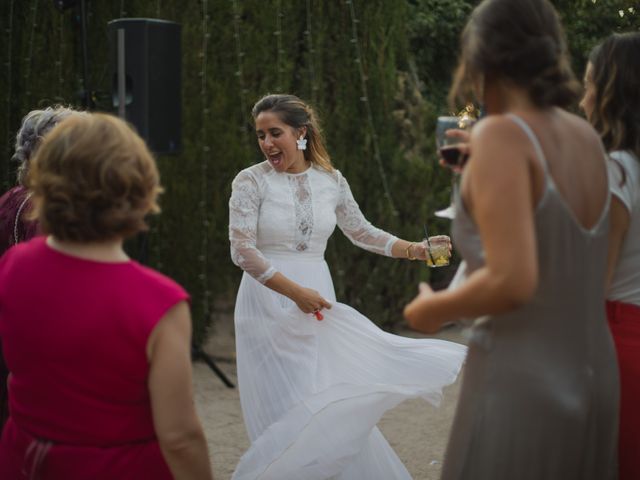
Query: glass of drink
x=449 y=146
x=438 y=253
x=449 y=149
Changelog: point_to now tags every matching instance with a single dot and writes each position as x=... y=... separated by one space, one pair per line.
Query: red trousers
x=624 y=322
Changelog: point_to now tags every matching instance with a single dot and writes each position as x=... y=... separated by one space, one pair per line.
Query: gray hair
x=35 y=125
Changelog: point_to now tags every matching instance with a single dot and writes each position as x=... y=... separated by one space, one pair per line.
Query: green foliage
x=434 y=32
x=408 y=49
x=317 y=61
x=587 y=22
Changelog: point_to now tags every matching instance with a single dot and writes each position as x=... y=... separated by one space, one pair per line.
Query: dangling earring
x=301 y=143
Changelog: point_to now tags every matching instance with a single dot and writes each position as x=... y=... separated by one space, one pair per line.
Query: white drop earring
x=301 y=143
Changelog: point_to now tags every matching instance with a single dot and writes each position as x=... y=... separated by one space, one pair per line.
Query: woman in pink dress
x=97 y=345
x=15 y=204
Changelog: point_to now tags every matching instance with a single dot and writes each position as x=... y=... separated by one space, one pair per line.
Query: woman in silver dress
x=539 y=399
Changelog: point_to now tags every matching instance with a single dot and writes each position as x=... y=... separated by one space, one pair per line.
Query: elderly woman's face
x=277 y=141
x=589 y=99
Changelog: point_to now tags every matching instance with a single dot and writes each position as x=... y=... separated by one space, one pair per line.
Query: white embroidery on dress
x=304 y=211
x=356 y=227
x=244 y=207
x=260 y=201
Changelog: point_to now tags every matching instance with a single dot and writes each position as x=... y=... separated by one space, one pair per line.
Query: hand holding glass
x=438 y=251
x=453 y=149
x=452 y=146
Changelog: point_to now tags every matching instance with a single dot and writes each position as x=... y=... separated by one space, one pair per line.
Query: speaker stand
x=198 y=354
x=87 y=97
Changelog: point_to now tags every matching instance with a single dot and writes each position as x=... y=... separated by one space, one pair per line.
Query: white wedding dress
x=312 y=391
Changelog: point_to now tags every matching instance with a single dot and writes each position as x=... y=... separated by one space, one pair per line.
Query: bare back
x=576 y=163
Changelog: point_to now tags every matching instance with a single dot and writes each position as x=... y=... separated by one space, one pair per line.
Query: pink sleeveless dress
x=74 y=334
x=15 y=227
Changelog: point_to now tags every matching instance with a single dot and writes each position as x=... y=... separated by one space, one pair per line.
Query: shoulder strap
x=533 y=138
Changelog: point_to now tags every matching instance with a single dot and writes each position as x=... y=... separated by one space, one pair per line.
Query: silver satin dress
x=539 y=396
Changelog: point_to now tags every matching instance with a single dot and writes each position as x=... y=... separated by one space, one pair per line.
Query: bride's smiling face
x=277 y=141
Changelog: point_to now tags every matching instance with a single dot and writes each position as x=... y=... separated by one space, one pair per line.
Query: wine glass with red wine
x=449 y=151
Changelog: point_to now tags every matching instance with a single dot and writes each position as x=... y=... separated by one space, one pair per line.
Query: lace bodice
x=293 y=215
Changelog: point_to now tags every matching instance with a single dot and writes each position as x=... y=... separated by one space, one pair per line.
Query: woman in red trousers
x=612 y=105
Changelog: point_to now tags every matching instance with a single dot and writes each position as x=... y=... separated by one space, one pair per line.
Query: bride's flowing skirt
x=312 y=392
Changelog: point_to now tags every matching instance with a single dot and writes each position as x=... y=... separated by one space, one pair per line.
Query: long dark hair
x=616 y=77
x=297 y=114
x=521 y=41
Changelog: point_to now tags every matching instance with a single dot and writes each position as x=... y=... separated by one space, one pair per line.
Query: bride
x=315 y=375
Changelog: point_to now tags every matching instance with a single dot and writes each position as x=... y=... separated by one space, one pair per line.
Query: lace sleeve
x=244 y=208
x=356 y=227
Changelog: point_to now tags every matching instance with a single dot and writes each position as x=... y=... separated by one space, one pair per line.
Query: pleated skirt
x=313 y=391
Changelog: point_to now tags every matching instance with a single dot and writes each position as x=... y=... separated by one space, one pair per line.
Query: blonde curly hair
x=93 y=179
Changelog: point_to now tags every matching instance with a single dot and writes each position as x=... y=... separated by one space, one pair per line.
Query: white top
x=274 y=214
x=624 y=174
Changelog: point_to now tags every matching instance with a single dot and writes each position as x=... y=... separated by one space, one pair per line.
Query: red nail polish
x=318 y=315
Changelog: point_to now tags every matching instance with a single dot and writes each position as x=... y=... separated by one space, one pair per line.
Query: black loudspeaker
x=145 y=65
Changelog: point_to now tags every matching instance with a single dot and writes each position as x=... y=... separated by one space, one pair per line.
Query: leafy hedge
x=376 y=70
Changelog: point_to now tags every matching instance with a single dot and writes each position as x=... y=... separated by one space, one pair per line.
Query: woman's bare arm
x=177 y=425
x=499 y=187
x=619 y=225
